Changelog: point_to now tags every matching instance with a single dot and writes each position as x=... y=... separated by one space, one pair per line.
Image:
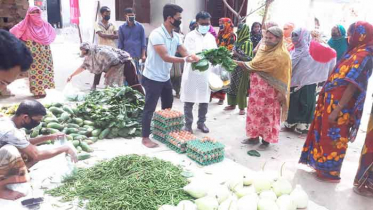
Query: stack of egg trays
x=161 y=126
x=205 y=153
x=176 y=145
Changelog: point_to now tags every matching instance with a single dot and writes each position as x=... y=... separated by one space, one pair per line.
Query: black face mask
x=107 y=17
x=32 y=124
x=131 y=18
x=176 y=23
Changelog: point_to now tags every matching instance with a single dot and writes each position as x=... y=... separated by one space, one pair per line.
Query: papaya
x=72 y=125
x=85 y=147
x=88 y=122
x=78 y=121
x=56 y=110
x=96 y=132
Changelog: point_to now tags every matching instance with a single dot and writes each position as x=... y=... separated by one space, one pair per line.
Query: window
x=218 y=10
x=142 y=9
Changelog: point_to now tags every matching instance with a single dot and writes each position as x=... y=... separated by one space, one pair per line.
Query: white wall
x=88 y=10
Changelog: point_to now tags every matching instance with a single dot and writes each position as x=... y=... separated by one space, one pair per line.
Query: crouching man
x=17 y=152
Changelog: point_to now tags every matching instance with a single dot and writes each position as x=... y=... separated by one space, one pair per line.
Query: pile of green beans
x=130 y=182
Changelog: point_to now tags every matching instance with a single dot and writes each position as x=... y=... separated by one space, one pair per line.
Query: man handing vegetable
x=162 y=47
x=17 y=153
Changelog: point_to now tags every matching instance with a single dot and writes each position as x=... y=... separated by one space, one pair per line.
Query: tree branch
x=243 y=4
x=232 y=10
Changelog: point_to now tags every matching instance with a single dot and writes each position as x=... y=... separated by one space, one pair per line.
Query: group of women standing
x=283 y=88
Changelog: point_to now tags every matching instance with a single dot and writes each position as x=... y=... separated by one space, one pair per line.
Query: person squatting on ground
x=18 y=153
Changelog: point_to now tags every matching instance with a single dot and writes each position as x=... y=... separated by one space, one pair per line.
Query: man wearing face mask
x=18 y=153
x=107 y=34
x=195 y=85
x=162 y=47
x=132 y=38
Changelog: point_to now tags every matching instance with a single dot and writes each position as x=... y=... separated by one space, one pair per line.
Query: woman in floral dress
x=269 y=89
x=340 y=105
x=38 y=35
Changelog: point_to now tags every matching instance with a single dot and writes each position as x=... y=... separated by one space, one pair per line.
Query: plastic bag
x=72 y=93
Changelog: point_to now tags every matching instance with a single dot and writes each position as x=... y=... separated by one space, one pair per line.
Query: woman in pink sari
x=37 y=35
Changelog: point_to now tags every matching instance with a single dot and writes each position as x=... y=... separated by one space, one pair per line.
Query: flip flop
x=326 y=180
x=229 y=108
x=242 y=112
x=365 y=192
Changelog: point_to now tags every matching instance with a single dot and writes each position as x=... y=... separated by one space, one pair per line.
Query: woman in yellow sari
x=269 y=89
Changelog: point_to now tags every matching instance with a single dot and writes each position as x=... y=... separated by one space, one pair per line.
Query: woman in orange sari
x=340 y=105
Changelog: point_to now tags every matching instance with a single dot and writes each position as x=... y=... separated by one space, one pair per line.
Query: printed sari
x=326 y=144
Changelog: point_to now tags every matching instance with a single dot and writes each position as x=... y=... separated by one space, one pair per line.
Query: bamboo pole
x=268 y=3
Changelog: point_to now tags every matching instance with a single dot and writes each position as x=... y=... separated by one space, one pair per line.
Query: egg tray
x=205 y=161
x=176 y=145
x=206 y=147
x=167 y=121
x=159 y=138
x=167 y=129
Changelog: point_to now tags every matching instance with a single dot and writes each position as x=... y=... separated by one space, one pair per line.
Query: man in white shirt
x=195 y=84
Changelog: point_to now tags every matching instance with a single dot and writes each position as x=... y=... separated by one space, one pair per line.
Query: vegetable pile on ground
x=104 y=114
x=215 y=56
x=8 y=110
x=127 y=182
x=116 y=109
x=247 y=191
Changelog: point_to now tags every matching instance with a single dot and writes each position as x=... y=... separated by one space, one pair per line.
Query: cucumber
x=56 y=110
x=85 y=133
x=78 y=121
x=44 y=131
x=89 y=142
x=87 y=122
x=80 y=137
x=50 y=119
x=89 y=130
x=36 y=130
x=47 y=105
x=76 y=143
x=72 y=125
x=96 y=133
x=55 y=126
x=79 y=149
x=68 y=109
x=65 y=117
x=88 y=126
x=104 y=133
x=85 y=147
x=94 y=139
x=83 y=156
x=74 y=134
x=72 y=130
x=68 y=137
x=57 y=104
x=52 y=130
x=64 y=130
x=75 y=110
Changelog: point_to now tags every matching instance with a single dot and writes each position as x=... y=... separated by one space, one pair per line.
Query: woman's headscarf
x=192 y=25
x=34 y=28
x=100 y=58
x=212 y=31
x=306 y=69
x=226 y=37
x=255 y=37
x=243 y=42
x=287 y=36
x=273 y=64
x=351 y=69
x=339 y=44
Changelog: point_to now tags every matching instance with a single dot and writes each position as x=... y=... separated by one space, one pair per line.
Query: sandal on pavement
x=363 y=192
x=242 y=112
x=229 y=108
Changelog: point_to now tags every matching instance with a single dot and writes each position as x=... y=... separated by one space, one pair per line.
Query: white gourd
x=300 y=197
x=207 y=203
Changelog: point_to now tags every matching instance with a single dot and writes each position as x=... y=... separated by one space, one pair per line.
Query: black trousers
x=153 y=91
